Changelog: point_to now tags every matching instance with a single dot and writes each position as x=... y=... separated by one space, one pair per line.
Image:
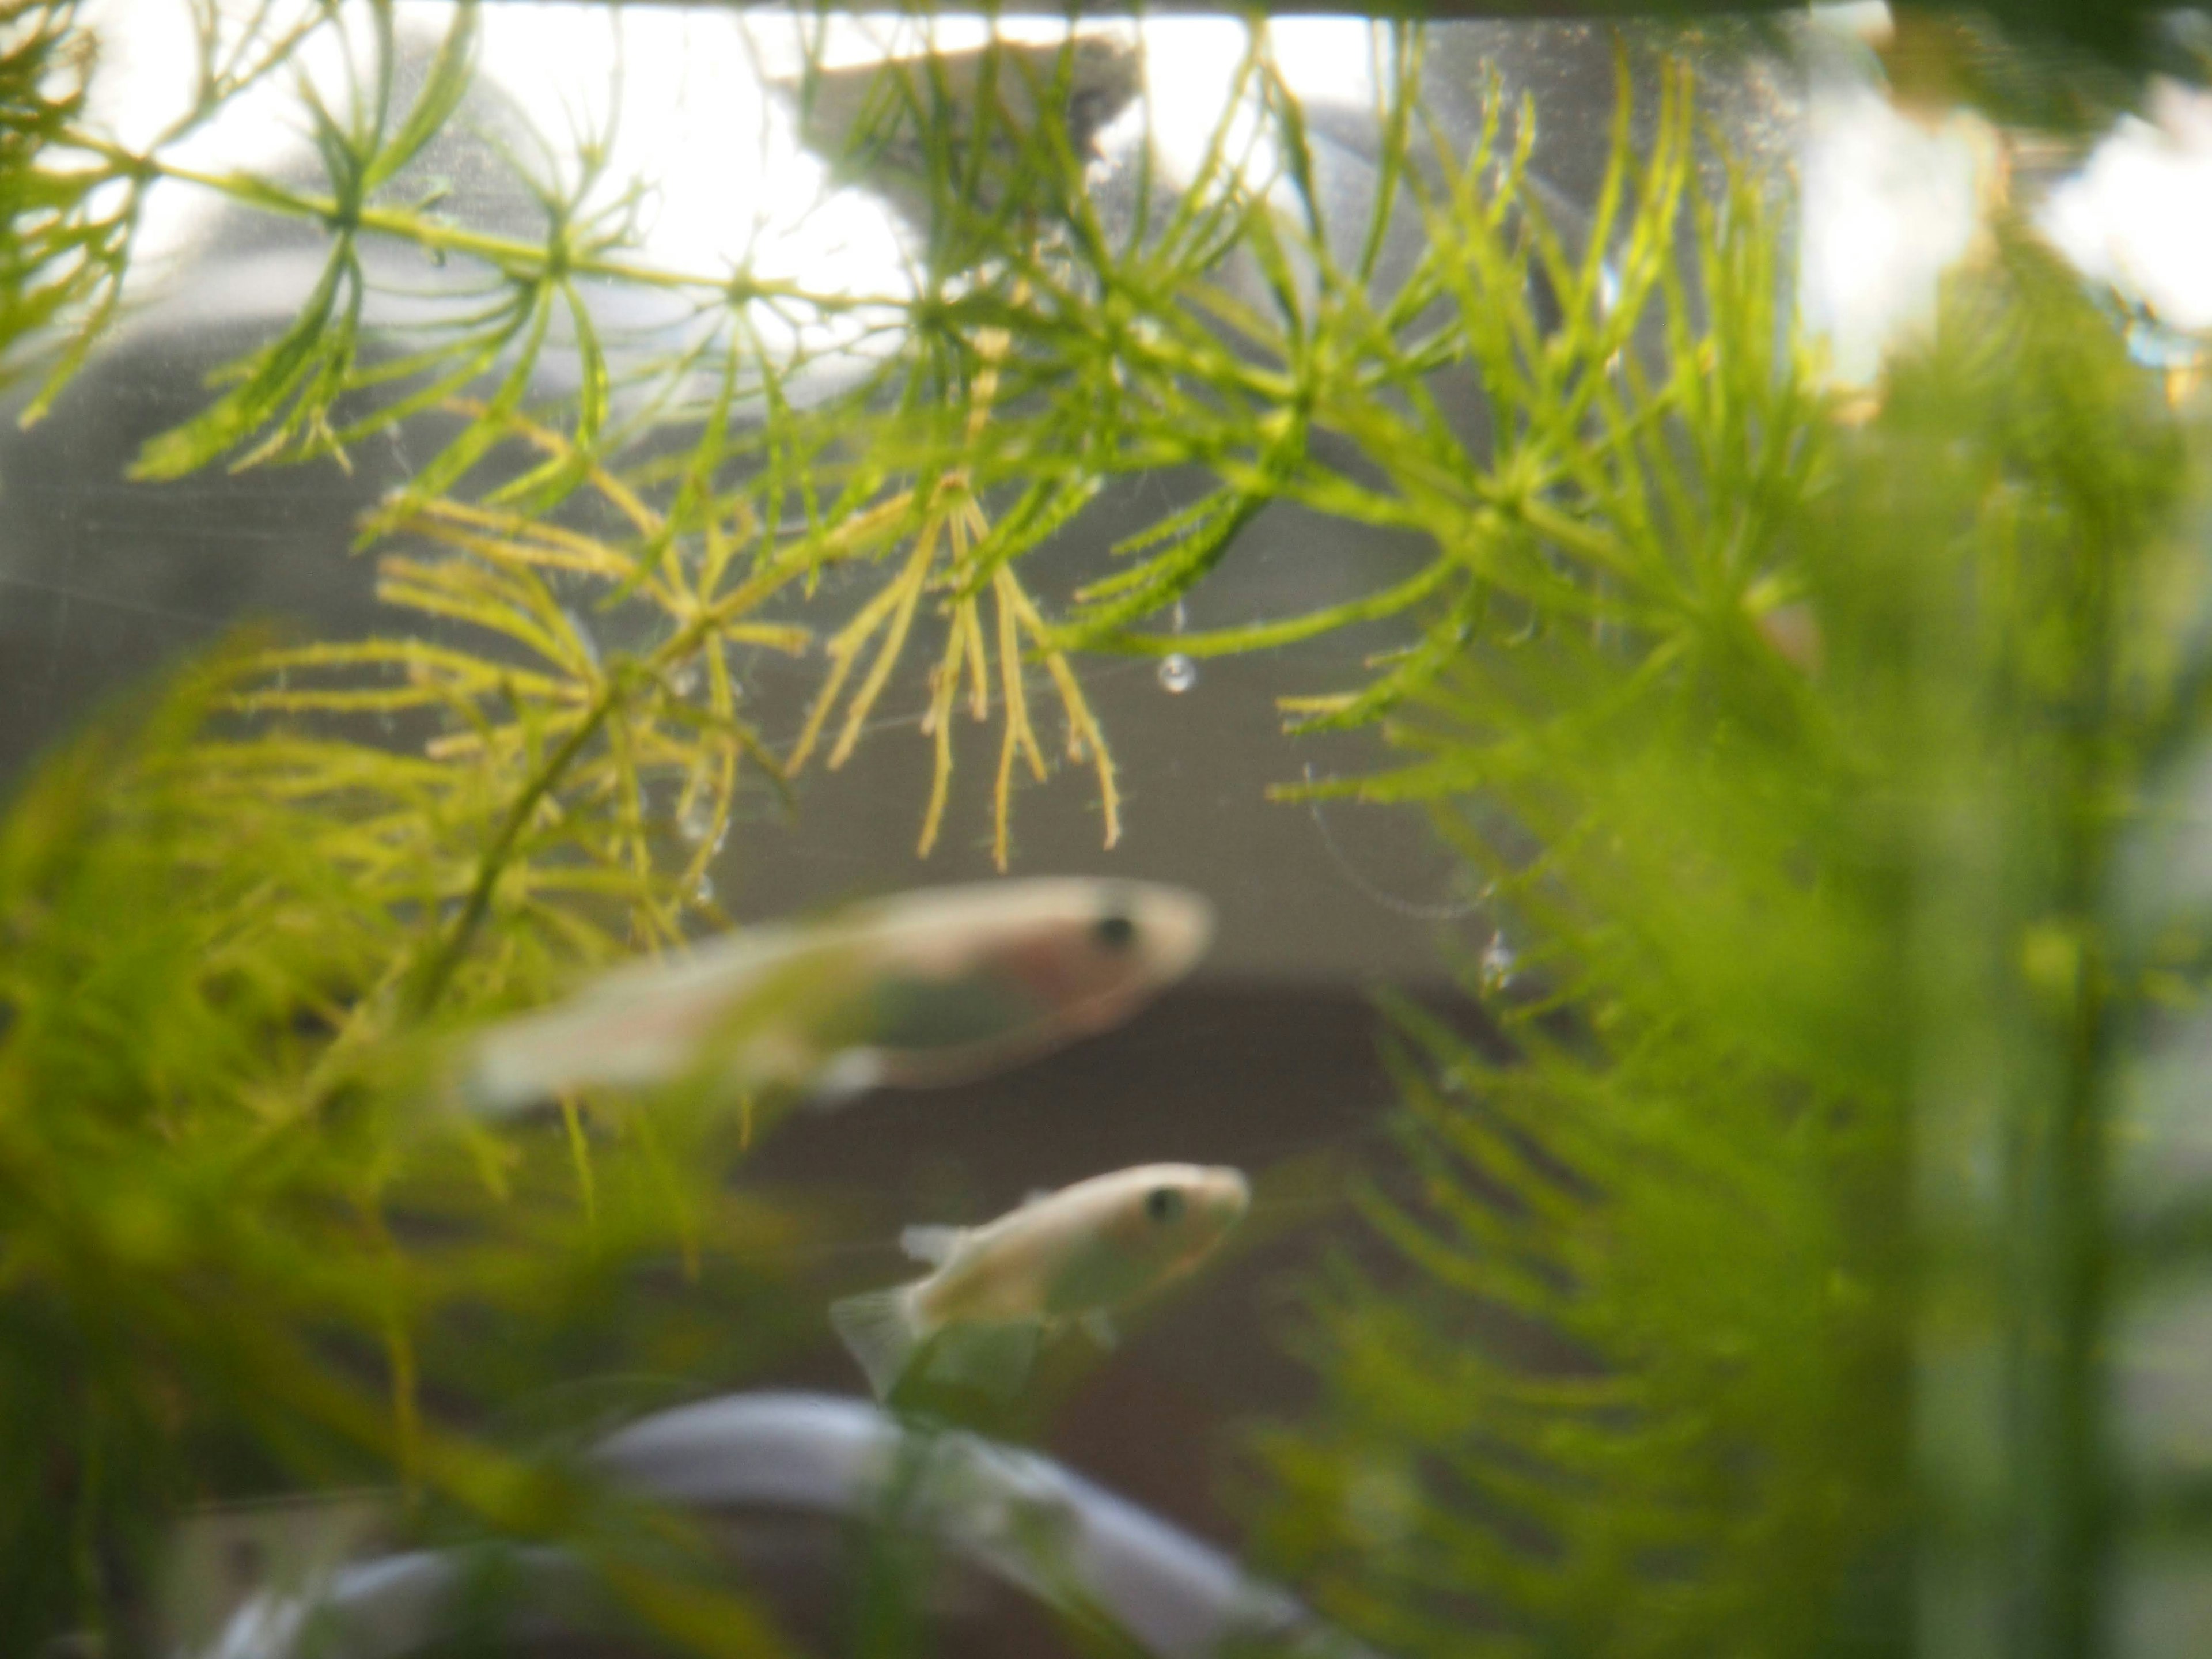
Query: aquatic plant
x=1758 y=1296
x=1797 y=756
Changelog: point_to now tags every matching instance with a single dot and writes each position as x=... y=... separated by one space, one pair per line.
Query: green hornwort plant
x=1796 y=752
x=1810 y=818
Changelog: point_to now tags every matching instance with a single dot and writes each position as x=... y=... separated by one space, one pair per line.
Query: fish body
x=925 y=989
x=1070 y=1257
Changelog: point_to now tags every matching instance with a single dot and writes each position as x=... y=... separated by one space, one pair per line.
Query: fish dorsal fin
x=934 y=1245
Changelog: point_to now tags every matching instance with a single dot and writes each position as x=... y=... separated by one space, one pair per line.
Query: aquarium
x=832 y=833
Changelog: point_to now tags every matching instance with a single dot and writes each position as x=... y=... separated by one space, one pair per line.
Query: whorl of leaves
x=1798 y=756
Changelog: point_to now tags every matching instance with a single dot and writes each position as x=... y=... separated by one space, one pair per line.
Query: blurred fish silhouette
x=925 y=989
x=779 y=1465
x=1068 y=1257
x=968 y=130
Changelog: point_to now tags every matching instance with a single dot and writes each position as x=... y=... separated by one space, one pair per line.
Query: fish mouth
x=1173 y=927
x=1177 y=927
x=1228 y=1193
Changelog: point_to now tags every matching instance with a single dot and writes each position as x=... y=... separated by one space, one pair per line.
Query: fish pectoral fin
x=1098 y=1325
x=882 y=1331
x=993 y=1357
x=934 y=1245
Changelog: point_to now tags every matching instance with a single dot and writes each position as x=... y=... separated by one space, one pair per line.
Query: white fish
x=929 y=988
x=1066 y=1257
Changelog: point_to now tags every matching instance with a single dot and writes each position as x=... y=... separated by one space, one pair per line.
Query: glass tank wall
x=861 y=834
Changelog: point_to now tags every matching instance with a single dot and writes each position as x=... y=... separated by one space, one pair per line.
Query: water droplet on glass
x=697 y=822
x=1178 y=673
x=1498 y=964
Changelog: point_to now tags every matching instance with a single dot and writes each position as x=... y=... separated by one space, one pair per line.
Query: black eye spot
x=1114 y=931
x=1163 y=1204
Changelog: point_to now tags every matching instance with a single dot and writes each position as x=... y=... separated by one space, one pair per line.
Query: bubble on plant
x=1178 y=673
x=696 y=822
x=1498 y=964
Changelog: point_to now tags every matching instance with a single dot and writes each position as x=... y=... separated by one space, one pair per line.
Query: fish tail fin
x=881 y=1329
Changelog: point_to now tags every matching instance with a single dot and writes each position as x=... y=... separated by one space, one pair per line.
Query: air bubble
x=683 y=678
x=1178 y=673
x=1608 y=287
x=704 y=892
x=697 y=822
x=1498 y=964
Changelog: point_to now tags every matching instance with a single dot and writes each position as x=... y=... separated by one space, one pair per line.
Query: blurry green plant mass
x=1796 y=736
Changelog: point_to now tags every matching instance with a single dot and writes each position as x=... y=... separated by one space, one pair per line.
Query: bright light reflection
x=1888 y=206
x=2139 y=216
x=728 y=183
x=694 y=117
x=144 y=83
x=1190 y=77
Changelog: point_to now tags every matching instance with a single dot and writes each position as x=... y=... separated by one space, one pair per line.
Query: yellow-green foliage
x=1807 y=820
x=1795 y=753
x=244 y=1244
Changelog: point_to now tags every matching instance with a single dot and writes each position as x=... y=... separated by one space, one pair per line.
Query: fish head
x=1171 y=1217
x=1097 y=950
x=969 y=980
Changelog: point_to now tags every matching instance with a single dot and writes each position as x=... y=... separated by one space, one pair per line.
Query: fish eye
x=1114 y=931
x=1163 y=1204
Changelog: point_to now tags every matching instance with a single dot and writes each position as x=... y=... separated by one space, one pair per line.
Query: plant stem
x=438 y=969
x=513 y=256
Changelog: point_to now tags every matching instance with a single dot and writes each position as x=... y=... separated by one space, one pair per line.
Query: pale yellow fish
x=1066 y=1257
x=928 y=987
